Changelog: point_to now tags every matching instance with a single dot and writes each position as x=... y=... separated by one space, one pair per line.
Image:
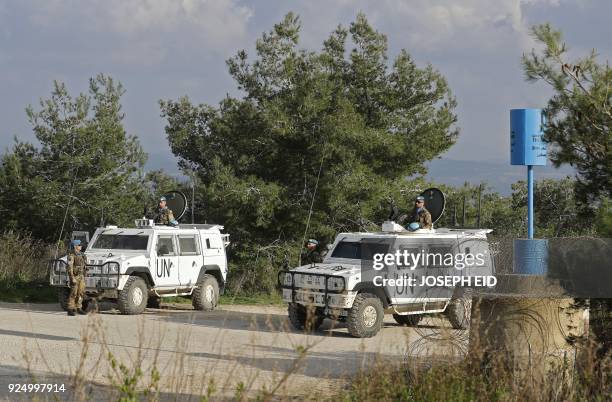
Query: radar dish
x=177 y=202
x=434 y=202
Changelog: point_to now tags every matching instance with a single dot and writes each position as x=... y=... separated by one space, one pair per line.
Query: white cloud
x=439 y=25
x=151 y=25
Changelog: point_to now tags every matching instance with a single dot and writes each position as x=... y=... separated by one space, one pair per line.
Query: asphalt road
x=233 y=350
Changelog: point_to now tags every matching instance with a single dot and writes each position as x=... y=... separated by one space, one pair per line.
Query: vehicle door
x=190 y=259
x=166 y=269
x=412 y=269
x=212 y=249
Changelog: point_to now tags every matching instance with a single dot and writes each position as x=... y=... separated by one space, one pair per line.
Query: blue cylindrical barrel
x=527 y=146
x=530 y=256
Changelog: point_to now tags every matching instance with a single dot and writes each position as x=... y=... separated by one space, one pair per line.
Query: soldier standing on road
x=421 y=215
x=311 y=255
x=76 y=274
x=164 y=214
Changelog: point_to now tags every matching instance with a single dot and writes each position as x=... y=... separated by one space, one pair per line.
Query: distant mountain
x=499 y=176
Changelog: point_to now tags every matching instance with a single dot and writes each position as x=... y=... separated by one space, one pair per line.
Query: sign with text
x=527 y=146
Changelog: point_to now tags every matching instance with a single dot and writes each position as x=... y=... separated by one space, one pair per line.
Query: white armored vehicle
x=138 y=266
x=405 y=273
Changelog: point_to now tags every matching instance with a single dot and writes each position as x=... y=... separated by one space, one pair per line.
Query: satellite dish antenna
x=177 y=202
x=434 y=202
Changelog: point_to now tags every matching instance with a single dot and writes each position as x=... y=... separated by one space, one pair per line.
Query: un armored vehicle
x=136 y=267
x=355 y=285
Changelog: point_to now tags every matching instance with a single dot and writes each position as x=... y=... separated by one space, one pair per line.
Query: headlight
x=113 y=267
x=335 y=284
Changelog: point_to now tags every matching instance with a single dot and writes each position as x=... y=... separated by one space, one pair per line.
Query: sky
x=169 y=48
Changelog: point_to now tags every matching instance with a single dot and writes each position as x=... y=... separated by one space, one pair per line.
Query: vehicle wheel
x=459 y=312
x=206 y=294
x=90 y=306
x=133 y=297
x=62 y=297
x=365 y=318
x=154 y=302
x=303 y=320
x=410 y=320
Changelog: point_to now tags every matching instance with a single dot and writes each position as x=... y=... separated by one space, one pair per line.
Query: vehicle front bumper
x=314 y=289
x=97 y=277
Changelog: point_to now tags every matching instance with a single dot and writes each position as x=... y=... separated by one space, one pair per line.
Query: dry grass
x=23 y=259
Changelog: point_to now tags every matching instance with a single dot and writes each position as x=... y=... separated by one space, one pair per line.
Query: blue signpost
x=527 y=148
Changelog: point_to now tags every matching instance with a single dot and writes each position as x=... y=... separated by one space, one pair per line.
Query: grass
x=27 y=292
x=37 y=292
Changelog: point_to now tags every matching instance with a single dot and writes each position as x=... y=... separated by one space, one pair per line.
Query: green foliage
x=86 y=169
x=579 y=113
x=556 y=214
x=603 y=219
x=339 y=130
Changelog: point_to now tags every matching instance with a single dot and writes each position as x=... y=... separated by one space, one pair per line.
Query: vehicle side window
x=165 y=245
x=188 y=245
x=208 y=243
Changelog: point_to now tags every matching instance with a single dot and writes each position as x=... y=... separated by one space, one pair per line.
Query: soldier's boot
x=81 y=311
x=71 y=312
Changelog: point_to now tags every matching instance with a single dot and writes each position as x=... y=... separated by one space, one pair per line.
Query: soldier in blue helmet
x=311 y=255
x=420 y=215
x=164 y=215
x=76 y=269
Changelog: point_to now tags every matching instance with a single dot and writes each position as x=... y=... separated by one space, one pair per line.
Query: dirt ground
x=232 y=351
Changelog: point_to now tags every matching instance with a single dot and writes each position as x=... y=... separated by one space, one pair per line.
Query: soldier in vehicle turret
x=163 y=215
x=421 y=215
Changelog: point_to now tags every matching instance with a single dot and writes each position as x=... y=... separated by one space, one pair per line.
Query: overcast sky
x=166 y=49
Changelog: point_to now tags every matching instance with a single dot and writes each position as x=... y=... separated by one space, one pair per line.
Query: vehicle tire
x=366 y=316
x=133 y=297
x=154 y=302
x=206 y=294
x=410 y=320
x=62 y=297
x=90 y=305
x=301 y=320
x=459 y=312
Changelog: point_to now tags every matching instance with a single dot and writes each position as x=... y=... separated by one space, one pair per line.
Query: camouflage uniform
x=164 y=216
x=422 y=217
x=76 y=273
x=311 y=257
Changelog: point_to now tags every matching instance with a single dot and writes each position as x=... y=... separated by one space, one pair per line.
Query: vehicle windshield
x=356 y=250
x=121 y=242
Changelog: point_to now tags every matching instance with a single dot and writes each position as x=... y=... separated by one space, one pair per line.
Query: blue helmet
x=414 y=226
x=162 y=198
x=313 y=241
x=420 y=198
x=75 y=242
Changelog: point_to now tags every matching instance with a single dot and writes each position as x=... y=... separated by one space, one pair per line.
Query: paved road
x=234 y=348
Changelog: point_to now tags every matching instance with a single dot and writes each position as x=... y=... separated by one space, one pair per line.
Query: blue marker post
x=527 y=148
x=530 y=201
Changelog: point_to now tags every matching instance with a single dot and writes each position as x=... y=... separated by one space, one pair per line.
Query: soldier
x=421 y=215
x=76 y=273
x=311 y=255
x=164 y=214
